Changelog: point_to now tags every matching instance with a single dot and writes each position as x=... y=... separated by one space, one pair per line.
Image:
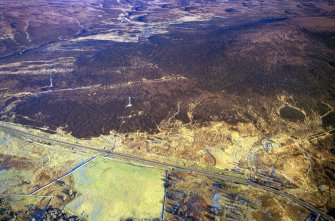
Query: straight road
x=184 y=169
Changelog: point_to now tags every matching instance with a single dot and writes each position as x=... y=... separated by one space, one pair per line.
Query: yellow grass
x=111 y=190
x=19 y=202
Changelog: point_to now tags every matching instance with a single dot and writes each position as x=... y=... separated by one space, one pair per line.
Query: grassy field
x=19 y=202
x=111 y=190
x=25 y=166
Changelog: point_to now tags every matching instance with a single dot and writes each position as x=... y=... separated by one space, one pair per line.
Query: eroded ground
x=224 y=201
x=242 y=87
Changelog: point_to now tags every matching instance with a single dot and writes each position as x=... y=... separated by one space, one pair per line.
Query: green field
x=25 y=166
x=111 y=190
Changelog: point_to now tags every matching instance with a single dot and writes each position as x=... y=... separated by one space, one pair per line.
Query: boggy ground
x=168 y=58
x=246 y=87
x=223 y=201
x=209 y=73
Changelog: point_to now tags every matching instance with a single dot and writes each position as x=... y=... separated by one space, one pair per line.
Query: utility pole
x=129 y=102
